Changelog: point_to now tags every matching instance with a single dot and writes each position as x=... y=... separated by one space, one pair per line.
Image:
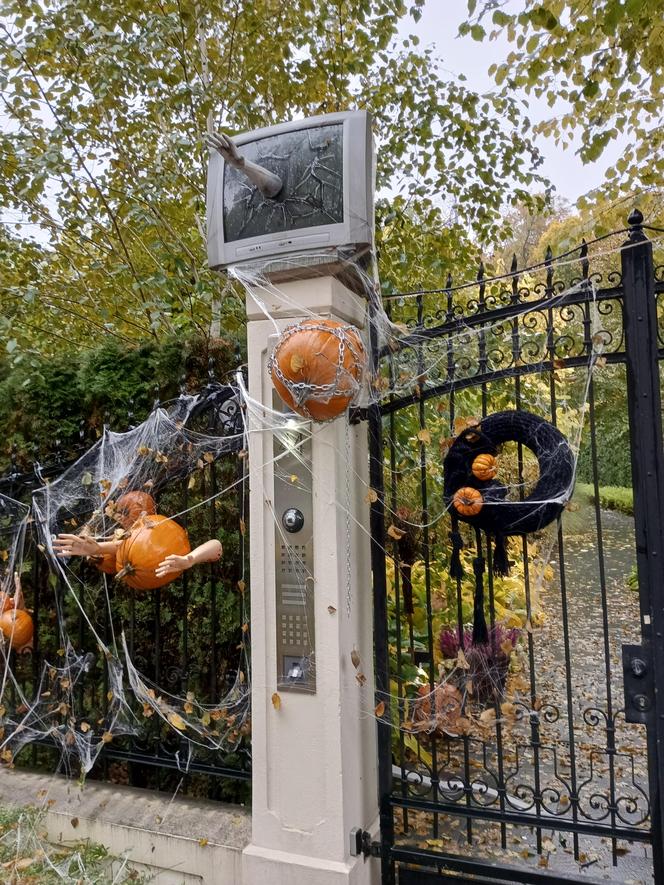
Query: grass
x=26 y=858
x=610 y=497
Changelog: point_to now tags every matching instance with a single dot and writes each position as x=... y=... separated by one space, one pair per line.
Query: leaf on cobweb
x=361 y=678
x=176 y=721
x=371 y=496
x=192 y=481
x=85 y=727
x=241 y=677
x=4 y=555
x=528 y=627
x=208 y=457
x=86 y=479
x=506 y=647
x=380 y=709
x=294 y=477
x=143 y=450
x=355 y=658
x=297 y=363
x=243 y=527
x=74 y=822
x=161 y=458
x=461 y=660
x=245 y=628
x=331 y=609
x=202 y=842
x=106 y=737
x=241 y=586
x=600 y=362
x=188 y=707
x=508 y=710
x=424 y=436
x=105 y=484
x=205 y=718
x=571 y=506
x=395 y=533
x=276 y=700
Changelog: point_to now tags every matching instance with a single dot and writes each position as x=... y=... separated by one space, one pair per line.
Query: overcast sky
x=439 y=26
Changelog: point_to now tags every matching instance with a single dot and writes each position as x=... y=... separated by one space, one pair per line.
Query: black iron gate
x=550 y=770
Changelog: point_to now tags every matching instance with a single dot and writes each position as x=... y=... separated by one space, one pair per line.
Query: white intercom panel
x=293 y=507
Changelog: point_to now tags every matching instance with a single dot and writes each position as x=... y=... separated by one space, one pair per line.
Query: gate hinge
x=638 y=683
x=362 y=844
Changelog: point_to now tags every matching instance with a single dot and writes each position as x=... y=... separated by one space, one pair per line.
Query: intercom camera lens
x=293 y=519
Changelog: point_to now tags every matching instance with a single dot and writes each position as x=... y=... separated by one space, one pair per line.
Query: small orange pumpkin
x=131 y=505
x=153 y=538
x=484 y=467
x=468 y=501
x=316 y=367
x=17 y=627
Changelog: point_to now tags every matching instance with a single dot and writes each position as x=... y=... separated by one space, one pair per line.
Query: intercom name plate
x=293 y=508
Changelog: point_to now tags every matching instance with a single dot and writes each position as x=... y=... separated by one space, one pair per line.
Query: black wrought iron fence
x=521 y=759
x=187 y=638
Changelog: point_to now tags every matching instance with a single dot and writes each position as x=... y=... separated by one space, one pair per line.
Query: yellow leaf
x=487 y=716
x=424 y=436
x=371 y=496
x=188 y=707
x=106 y=737
x=241 y=586
x=380 y=709
x=243 y=527
x=205 y=719
x=245 y=628
x=395 y=533
x=294 y=477
x=276 y=701
x=208 y=457
x=192 y=481
x=177 y=721
x=202 y=842
x=85 y=727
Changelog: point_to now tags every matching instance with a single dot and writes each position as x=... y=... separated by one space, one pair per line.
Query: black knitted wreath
x=552 y=491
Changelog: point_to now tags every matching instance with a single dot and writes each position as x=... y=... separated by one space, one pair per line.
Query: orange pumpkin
x=316 y=367
x=484 y=467
x=152 y=539
x=131 y=505
x=17 y=627
x=468 y=501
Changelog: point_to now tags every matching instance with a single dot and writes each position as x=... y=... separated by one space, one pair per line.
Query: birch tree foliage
x=102 y=165
x=599 y=65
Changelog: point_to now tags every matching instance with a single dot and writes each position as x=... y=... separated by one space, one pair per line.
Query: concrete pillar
x=314 y=758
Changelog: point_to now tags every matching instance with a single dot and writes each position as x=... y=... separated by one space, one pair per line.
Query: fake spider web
x=101 y=623
x=470 y=679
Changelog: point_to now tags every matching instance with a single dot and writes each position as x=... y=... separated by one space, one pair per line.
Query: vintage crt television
x=325 y=206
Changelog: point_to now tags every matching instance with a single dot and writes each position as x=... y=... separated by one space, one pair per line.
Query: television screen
x=324 y=201
x=310 y=164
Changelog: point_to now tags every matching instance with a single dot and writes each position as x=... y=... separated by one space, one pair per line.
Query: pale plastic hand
x=226 y=147
x=268 y=183
x=174 y=563
x=75 y=545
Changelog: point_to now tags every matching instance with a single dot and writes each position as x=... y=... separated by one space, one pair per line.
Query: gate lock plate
x=638 y=683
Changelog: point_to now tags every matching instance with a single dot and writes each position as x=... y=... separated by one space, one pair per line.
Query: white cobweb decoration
x=98 y=620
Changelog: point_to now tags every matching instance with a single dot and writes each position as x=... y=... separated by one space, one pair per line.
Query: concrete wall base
x=261 y=866
x=175 y=841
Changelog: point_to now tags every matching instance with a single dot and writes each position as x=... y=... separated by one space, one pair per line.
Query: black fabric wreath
x=499 y=517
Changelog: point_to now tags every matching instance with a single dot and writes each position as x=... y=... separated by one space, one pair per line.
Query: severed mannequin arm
x=210 y=551
x=267 y=182
x=82 y=545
